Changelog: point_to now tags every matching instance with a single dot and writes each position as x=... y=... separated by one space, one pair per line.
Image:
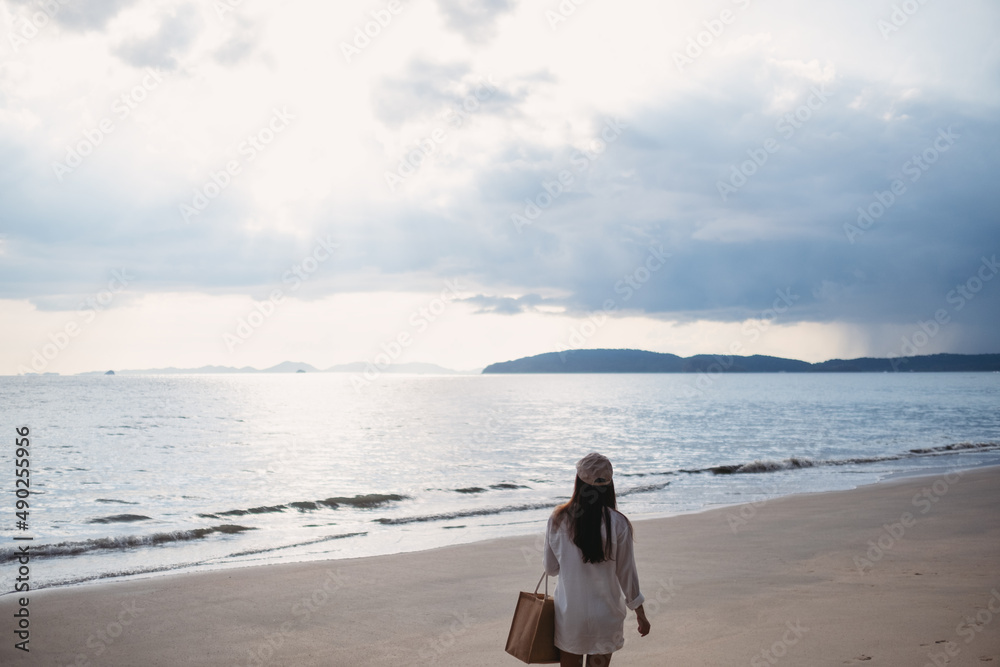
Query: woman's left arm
x=628 y=577
x=640 y=616
x=549 y=560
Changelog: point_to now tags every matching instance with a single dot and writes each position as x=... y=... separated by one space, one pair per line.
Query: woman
x=588 y=543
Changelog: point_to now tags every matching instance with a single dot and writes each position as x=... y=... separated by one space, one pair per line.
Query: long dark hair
x=589 y=506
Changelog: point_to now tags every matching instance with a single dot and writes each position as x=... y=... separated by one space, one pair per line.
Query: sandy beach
x=906 y=572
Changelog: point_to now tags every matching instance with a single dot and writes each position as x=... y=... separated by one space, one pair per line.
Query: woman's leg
x=567 y=659
x=602 y=660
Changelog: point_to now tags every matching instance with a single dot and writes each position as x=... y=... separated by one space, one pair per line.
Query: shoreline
x=883 y=574
x=169 y=571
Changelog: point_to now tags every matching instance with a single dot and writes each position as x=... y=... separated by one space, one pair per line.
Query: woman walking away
x=588 y=543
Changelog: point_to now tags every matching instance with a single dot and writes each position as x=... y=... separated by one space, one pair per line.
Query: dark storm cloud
x=785 y=229
x=788 y=230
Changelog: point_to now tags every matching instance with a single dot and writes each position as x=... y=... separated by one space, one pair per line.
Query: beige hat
x=594 y=469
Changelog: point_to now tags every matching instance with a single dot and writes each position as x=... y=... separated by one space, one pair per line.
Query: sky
x=460 y=182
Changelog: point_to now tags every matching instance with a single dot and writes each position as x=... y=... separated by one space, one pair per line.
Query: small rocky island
x=642 y=361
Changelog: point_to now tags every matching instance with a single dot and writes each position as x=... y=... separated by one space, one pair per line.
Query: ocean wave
x=378 y=500
x=121 y=542
x=482 y=511
x=117 y=573
x=958 y=447
x=504 y=509
x=366 y=501
x=763 y=466
x=645 y=488
x=253 y=552
x=795 y=463
x=120 y=518
x=263 y=509
x=502 y=486
x=650 y=474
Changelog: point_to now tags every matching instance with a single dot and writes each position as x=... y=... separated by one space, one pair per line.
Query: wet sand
x=905 y=573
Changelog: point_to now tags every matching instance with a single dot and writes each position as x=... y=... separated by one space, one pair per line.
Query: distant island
x=292 y=367
x=625 y=361
x=642 y=361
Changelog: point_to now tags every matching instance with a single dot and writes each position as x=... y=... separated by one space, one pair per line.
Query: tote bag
x=533 y=630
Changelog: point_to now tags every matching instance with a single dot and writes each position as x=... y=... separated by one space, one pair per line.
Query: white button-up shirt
x=591 y=598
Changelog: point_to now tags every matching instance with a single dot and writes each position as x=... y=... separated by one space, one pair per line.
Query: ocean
x=144 y=475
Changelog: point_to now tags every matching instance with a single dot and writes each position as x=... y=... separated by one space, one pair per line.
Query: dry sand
x=795 y=581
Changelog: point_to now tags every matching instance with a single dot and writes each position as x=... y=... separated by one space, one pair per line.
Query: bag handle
x=545 y=576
